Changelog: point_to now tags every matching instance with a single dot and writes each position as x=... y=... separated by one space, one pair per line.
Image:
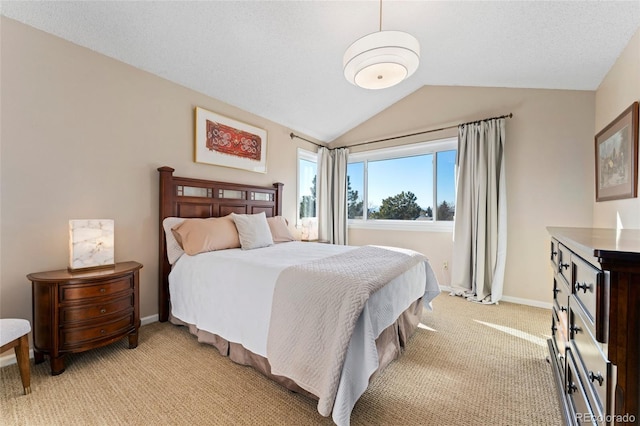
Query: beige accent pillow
x=253 y=230
x=174 y=250
x=279 y=229
x=203 y=235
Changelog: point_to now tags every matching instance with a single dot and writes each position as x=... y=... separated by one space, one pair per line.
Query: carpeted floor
x=470 y=365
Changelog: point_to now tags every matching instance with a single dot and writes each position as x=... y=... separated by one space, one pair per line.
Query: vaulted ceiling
x=282 y=60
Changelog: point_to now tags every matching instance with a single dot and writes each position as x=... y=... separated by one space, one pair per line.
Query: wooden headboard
x=188 y=197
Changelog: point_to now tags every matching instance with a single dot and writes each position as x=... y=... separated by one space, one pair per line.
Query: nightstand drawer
x=97 y=310
x=76 y=336
x=105 y=288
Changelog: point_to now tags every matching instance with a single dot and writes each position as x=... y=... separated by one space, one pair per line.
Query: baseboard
x=148 y=320
x=510 y=299
x=10 y=357
x=528 y=302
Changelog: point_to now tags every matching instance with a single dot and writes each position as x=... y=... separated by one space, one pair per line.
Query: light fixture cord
x=380 y=15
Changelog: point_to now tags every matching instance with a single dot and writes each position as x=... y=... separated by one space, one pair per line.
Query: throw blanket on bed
x=315 y=309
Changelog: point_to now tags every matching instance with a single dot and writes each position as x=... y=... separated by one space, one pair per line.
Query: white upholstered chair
x=14 y=333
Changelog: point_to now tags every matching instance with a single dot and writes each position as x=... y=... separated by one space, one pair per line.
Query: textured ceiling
x=283 y=60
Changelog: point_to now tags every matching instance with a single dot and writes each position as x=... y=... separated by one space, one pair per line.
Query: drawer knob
x=563 y=309
x=582 y=286
x=575 y=329
x=596 y=377
x=103 y=310
x=555 y=292
x=102 y=290
x=571 y=387
x=102 y=331
x=562 y=265
x=554 y=328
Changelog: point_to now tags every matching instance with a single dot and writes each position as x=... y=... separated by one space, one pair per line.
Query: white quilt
x=215 y=291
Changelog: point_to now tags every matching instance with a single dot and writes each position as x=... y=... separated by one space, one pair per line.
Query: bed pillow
x=203 y=235
x=253 y=230
x=279 y=229
x=174 y=249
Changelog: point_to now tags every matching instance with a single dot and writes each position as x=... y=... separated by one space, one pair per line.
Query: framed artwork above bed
x=222 y=141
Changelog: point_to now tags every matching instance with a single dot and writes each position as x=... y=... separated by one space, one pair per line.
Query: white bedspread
x=215 y=291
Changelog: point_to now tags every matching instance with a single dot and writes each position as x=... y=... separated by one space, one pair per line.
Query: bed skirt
x=390 y=345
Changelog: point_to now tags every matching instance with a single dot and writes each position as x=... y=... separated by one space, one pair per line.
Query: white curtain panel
x=480 y=233
x=331 y=194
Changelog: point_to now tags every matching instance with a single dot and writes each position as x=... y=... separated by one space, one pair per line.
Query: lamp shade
x=382 y=59
x=91 y=243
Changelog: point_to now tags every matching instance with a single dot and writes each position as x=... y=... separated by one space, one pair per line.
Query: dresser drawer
x=71 y=337
x=84 y=291
x=96 y=310
x=585 y=282
x=564 y=262
x=558 y=332
x=574 y=388
x=595 y=364
x=561 y=293
x=553 y=254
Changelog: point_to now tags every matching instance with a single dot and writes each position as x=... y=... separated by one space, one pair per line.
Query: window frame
x=420 y=148
x=311 y=156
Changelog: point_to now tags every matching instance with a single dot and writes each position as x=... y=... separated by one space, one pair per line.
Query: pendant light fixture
x=381 y=59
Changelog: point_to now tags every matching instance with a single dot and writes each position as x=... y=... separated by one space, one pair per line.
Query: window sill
x=402 y=225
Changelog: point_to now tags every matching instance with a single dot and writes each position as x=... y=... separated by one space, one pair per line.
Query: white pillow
x=253 y=230
x=174 y=251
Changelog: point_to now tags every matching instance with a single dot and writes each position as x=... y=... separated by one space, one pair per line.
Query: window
x=307 y=169
x=403 y=187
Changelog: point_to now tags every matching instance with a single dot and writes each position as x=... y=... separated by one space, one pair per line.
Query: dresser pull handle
x=102 y=290
x=103 y=331
x=553 y=254
x=554 y=328
x=562 y=265
x=582 y=286
x=555 y=292
x=596 y=377
x=563 y=308
x=571 y=387
x=103 y=310
x=575 y=329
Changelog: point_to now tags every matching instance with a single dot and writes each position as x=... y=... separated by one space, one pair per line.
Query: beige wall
x=549 y=166
x=82 y=136
x=619 y=89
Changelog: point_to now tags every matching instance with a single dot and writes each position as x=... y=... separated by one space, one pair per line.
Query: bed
x=282 y=307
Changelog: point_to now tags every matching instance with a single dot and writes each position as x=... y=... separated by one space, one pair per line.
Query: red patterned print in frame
x=223 y=141
x=231 y=141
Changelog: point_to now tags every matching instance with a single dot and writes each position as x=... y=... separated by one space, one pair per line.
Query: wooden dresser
x=78 y=311
x=595 y=324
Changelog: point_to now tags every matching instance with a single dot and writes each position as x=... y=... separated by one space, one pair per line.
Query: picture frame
x=226 y=142
x=616 y=152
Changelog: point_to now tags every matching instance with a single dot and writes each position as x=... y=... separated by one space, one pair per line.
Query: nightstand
x=82 y=310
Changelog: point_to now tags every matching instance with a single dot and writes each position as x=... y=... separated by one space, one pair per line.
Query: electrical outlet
x=445 y=265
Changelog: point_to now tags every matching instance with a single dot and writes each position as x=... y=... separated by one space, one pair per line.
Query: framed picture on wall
x=617 y=157
x=222 y=141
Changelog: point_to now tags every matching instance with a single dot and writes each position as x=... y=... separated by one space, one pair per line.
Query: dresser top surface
x=601 y=242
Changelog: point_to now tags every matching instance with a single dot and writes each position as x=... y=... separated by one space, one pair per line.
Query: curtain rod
x=293 y=135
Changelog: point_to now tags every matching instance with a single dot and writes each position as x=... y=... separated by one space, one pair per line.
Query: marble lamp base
x=91 y=244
